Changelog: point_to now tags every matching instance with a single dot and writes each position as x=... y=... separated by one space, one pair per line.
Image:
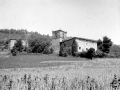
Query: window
x=79 y=47
x=86 y=48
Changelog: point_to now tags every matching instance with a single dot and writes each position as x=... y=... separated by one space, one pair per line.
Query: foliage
x=114 y=51
x=104 y=45
x=14 y=52
x=115 y=48
x=90 y=53
x=83 y=54
x=99 y=54
x=18 y=45
x=69 y=50
x=13 y=31
x=4 y=44
x=40 y=46
x=107 y=43
x=74 y=47
x=63 y=50
x=22 y=33
x=48 y=50
x=99 y=44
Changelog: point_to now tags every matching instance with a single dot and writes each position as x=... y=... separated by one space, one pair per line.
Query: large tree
x=104 y=45
x=107 y=43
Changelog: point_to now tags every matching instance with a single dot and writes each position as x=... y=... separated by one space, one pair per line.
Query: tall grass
x=29 y=82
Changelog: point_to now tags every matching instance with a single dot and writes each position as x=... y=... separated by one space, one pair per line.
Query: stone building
x=13 y=41
x=59 y=37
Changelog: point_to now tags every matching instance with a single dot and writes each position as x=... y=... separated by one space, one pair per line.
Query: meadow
x=48 y=72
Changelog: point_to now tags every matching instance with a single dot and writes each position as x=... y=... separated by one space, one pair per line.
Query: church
x=59 y=37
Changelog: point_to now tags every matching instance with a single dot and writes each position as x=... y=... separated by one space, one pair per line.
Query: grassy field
x=23 y=61
x=42 y=72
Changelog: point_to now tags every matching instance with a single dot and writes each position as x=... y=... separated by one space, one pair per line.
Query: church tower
x=57 y=37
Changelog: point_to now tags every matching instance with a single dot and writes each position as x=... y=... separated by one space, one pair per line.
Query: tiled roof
x=84 y=39
x=59 y=31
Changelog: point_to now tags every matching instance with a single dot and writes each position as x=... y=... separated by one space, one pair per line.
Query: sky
x=90 y=19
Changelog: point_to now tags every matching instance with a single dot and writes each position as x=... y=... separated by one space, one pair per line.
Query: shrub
x=113 y=55
x=51 y=50
x=90 y=53
x=100 y=54
x=39 y=46
x=14 y=52
x=69 y=50
x=83 y=54
x=63 y=50
x=64 y=53
x=74 y=47
x=48 y=50
x=77 y=54
x=29 y=50
x=18 y=45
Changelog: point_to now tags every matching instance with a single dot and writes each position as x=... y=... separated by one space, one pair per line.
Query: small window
x=79 y=47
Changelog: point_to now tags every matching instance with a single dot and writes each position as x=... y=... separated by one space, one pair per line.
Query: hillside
x=20 y=34
x=9 y=36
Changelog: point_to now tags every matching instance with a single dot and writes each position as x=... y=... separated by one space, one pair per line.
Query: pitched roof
x=59 y=31
x=84 y=39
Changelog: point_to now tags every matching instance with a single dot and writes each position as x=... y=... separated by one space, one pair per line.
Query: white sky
x=91 y=19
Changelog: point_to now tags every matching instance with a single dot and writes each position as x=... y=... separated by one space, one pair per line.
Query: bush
x=48 y=50
x=77 y=54
x=83 y=54
x=113 y=55
x=18 y=45
x=51 y=50
x=74 y=48
x=29 y=50
x=14 y=52
x=90 y=53
x=100 y=54
x=63 y=50
x=69 y=50
x=39 y=46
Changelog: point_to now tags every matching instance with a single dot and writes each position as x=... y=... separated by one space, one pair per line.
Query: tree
x=18 y=45
x=107 y=43
x=74 y=48
x=99 y=44
x=104 y=46
x=63 y=50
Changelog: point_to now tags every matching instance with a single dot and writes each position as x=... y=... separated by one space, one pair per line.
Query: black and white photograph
x=59 y=44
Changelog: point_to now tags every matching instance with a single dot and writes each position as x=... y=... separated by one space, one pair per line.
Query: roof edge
x=81 y=39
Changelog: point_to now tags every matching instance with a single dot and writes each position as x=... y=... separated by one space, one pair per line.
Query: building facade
x=57 y=37
x=60 y=37
x=13 y=41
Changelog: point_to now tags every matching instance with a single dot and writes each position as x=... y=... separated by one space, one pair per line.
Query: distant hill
x=9 y=36
x=21 y=34
x=115 y=48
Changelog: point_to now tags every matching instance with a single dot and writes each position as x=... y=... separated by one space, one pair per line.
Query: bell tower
x=57 y=37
